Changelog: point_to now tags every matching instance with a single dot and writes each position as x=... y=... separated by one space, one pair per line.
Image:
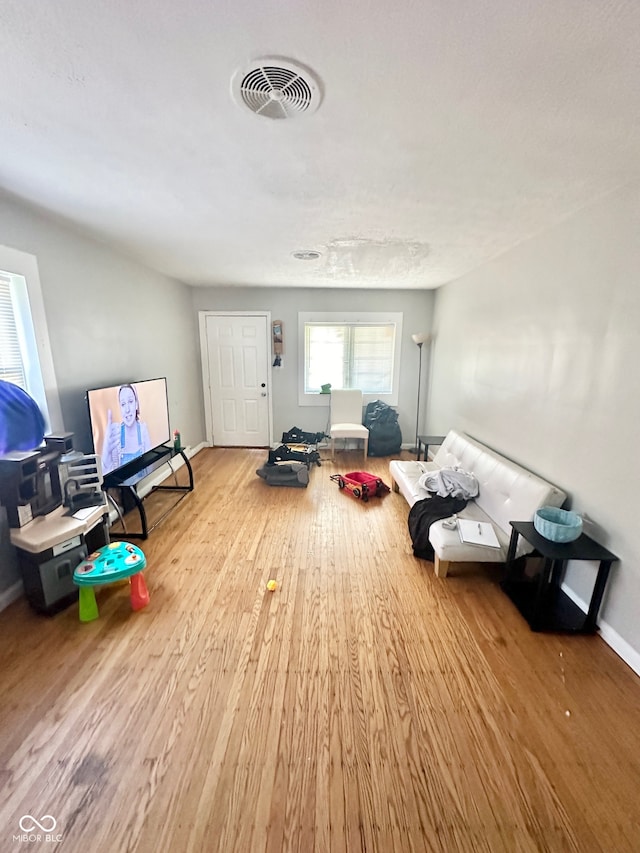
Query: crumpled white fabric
x=450 y=481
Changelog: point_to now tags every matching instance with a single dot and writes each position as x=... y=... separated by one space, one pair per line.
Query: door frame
x=204 y=356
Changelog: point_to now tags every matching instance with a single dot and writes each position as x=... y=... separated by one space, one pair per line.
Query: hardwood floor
x=364 y=705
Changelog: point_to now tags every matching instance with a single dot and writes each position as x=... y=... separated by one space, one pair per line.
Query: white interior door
x=236 y=353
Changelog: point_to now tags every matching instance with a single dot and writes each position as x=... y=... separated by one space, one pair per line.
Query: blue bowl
x=557 y=525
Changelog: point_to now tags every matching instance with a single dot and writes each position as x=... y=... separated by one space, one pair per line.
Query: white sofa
x=507 y=493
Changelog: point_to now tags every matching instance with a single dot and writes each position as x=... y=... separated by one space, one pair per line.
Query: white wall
x=284 y=304
x=109 y=320
x=536 y=354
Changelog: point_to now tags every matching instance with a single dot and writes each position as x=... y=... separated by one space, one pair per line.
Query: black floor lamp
x=419 y=339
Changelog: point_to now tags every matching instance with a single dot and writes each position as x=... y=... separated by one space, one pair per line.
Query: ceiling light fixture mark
x=306 y=255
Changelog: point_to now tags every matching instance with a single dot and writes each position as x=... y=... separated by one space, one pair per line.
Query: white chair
x=346 y=418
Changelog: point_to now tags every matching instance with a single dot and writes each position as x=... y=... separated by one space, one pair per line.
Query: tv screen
x=128 y=420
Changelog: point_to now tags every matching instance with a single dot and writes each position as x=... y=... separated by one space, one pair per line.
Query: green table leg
x=88 y=605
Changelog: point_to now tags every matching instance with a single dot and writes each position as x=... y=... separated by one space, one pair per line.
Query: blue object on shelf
x=557 y=525
x=22 y=424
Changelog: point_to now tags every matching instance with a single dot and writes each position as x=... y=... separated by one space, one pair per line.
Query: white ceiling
x=448 y=131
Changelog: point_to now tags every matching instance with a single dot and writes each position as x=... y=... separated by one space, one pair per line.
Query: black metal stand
x=540 y=599
x=128 y=478
x=416 y=448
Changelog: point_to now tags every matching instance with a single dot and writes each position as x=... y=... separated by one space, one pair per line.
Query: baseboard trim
x=191 y=451
x=611 y=637
x=10 y=595
x=620 y=646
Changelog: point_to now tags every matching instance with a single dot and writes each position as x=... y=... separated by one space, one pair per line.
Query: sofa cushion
x=447 y=544
x=406 y=474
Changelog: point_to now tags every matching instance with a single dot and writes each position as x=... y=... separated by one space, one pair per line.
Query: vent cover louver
x=276 y=88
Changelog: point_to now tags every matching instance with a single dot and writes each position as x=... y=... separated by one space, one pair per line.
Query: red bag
x=361 y=484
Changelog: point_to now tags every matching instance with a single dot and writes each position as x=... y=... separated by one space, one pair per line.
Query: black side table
x=427 y=440
x=540 y=599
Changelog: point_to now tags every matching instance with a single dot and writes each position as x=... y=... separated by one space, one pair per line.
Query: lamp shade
x=420 y=338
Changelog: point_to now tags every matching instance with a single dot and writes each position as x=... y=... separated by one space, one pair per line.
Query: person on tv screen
x=127 y=439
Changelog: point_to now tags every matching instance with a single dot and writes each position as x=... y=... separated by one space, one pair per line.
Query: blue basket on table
x=557 y=525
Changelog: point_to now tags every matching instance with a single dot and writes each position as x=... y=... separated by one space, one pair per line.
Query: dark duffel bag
x=296 y=475
x=298 y=436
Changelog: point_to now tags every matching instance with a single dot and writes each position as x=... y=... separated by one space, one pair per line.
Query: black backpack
x=385 y=436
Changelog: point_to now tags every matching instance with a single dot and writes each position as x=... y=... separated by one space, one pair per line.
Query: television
x=128 y=420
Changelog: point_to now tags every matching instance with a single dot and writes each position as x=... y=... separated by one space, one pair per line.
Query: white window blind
x=349 y=349
x=349 y=355
x=11 y=363
x=25 y=352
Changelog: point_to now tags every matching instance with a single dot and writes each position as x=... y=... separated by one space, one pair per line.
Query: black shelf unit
x=540 y=599
x=127 y=479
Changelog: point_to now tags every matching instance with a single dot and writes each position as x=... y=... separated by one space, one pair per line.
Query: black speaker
x=61 y=443
x=19 y=485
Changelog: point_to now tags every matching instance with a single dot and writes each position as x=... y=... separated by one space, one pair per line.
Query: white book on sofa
x=477 y=533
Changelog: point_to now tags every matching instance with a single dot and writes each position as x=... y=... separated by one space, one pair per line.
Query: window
x=350 y=351
x=25 y=354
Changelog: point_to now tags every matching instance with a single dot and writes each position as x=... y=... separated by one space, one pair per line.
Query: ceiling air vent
x=277 y=88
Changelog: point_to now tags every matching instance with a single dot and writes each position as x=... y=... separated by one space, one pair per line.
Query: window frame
x=366 y=318
x=26 y=293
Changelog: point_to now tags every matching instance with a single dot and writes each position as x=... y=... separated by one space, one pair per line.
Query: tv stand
x=128 y=478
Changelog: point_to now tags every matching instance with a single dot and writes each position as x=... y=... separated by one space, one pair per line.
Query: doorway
x=236 y=353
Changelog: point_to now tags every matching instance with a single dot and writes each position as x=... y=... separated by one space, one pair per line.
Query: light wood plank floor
x=364 y=705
